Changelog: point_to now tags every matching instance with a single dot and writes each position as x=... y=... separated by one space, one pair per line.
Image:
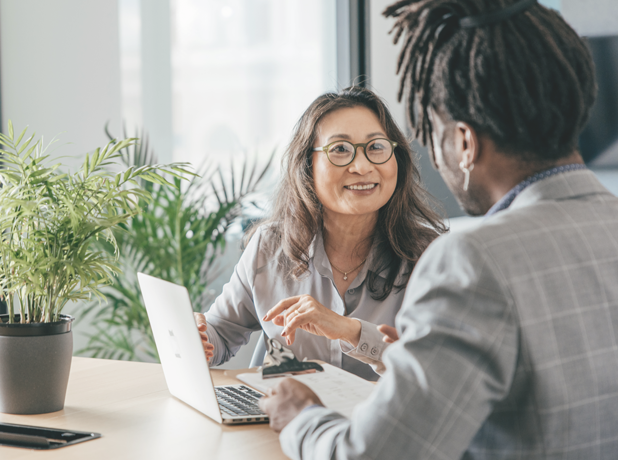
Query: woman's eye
x=377 y=146
x=340 y=149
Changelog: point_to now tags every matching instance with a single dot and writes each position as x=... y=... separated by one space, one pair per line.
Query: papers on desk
x=337 y=389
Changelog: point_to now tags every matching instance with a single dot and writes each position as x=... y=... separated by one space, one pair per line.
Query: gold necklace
x=345 y=273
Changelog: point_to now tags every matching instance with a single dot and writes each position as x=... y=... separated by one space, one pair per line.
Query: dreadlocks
x=526 y=82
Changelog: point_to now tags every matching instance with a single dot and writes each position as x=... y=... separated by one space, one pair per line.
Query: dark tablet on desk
x=39 y=437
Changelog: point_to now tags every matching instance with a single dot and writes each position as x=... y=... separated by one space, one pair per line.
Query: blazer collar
x=560 y=186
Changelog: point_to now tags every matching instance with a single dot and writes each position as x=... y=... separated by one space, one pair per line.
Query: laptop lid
x=180 y=349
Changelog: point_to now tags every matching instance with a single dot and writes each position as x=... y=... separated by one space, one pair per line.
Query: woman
x=349 y=222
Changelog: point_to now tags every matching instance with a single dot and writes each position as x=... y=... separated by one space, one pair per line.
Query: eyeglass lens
x=378 y=151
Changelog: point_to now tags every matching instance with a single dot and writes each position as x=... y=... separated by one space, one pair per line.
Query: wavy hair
x=406 y=224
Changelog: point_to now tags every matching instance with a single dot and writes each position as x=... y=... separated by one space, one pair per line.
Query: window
x=235 y=75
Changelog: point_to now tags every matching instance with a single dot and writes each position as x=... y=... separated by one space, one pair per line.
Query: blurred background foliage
x=177 y=237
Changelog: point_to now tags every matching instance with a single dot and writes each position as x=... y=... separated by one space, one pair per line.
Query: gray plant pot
x=35 y=360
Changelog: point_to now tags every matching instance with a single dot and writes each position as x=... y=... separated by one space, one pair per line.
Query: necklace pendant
x=345 y=277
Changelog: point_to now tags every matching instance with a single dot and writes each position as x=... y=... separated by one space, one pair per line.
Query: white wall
x=594 y=18
x=383 y=61
x=591 y=18
x=156 y=53
x=60 y=70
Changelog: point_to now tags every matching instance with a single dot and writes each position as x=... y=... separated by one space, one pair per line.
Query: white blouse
x=259 y=283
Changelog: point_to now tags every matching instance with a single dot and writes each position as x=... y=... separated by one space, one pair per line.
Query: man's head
x=507 y=98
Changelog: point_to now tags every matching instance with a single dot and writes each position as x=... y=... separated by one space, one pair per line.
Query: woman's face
x=360 y=187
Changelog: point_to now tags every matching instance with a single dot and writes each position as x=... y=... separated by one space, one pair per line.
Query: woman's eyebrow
x=338 y=136
x=345 y=136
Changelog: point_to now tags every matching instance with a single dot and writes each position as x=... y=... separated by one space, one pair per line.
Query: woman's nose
x=361 y=164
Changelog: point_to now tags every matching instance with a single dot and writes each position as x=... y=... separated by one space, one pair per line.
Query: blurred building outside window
x=234 y=75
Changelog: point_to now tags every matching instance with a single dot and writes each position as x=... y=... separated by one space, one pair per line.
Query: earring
x=466 y=171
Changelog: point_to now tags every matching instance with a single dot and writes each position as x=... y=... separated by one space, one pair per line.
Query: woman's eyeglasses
x=342 y=153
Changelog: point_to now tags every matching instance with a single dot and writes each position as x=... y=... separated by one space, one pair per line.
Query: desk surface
x=128 y=403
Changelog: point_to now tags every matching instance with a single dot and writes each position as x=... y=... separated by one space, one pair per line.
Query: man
x=508 y=345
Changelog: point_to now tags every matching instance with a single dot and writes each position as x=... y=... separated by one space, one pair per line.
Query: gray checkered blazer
x=508 y=342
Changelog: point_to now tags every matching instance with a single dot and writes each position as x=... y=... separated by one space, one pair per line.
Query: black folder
x=39 y=437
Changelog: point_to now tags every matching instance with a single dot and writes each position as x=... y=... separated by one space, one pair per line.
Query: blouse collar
x=322 y=265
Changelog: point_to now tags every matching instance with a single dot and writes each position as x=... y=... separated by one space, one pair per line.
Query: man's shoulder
x=531 y=229
x=542 y=219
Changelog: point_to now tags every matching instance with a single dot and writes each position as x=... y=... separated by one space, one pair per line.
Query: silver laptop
x=184 y=363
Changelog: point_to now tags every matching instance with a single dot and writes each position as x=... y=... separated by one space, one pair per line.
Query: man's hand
x=306 y=313
x=209 y=348
x=286 y=401
x=390 y=333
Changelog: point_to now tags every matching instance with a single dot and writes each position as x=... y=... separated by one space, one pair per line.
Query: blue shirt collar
x=507 y=199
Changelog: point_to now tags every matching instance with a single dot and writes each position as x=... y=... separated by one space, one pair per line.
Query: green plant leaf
x=177 y=237
x=51 y=220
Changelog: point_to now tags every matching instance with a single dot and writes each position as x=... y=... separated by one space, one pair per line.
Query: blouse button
x=351 y=291
x=363 y=347
x=374 y=351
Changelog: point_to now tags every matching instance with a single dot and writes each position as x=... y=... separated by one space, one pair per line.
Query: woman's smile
x=362 y=188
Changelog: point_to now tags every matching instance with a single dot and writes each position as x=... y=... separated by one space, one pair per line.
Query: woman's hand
x=209 y=348
x=308 y=314
x=390 y=333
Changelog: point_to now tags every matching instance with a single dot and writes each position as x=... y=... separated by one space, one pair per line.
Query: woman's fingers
x=209 y=348
x=199 y=319
x=294 y=312
x=299 y=319
x=283 y=318
x=279 y=320
x=201 y=328
x=203 y=335
x=311 y=316
x=390 y=333
x=280 y=307
x=290 y=314
x=289 y=334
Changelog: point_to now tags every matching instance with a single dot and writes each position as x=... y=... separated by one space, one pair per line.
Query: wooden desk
x=128 y=403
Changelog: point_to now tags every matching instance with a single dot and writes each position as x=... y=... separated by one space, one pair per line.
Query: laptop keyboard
x=239 y=400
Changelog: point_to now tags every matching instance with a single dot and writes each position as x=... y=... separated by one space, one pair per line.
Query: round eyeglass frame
x=356 y=146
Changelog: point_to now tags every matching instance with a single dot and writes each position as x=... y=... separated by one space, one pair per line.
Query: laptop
x=184 y=363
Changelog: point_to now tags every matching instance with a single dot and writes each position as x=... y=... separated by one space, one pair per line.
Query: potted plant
x=49 y=220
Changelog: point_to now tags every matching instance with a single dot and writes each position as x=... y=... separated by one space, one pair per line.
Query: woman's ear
x=467 y=146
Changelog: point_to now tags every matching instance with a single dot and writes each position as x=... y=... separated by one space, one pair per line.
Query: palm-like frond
x=49 y=221
x=177 y=238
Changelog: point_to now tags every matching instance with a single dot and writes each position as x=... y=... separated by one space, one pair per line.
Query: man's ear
x=467 y=144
